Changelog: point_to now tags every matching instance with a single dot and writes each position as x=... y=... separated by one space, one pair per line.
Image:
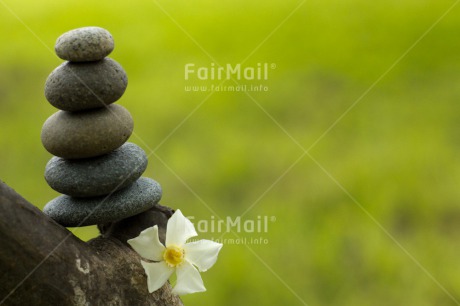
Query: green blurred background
x=395 y=154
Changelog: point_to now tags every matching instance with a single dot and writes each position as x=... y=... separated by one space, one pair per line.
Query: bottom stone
x=69 y=211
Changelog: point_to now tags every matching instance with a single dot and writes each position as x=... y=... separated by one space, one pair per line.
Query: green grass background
x=395 y=154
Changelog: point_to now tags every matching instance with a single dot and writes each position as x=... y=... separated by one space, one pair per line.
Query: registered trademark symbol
x=272 y=218
x=273 y=66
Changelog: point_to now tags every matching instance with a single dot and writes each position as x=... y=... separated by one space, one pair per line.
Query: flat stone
x=84 y=44
x=97 y=176
x=82 y=86
x=139 y=197
x=88 y=133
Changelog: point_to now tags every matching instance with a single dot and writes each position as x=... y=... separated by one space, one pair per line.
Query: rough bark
x=42 y=263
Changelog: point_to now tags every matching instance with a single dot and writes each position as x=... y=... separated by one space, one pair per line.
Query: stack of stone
x=98 y=173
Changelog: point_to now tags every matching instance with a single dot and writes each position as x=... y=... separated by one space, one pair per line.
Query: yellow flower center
x=173 y=255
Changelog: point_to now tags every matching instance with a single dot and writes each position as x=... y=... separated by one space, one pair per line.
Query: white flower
x=177 y=256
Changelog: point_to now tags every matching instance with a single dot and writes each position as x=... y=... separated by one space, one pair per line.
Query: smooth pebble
x=97 y=176
x=84 y=44
x=88 y=133
x=71 y=212
x=82 y=86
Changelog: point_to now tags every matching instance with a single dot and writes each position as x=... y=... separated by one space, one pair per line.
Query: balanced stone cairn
x=96 y=170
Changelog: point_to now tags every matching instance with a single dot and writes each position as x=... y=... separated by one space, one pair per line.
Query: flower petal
x=148 y=245
x=179 y=229
x=158 y=274
x=188 y=280
x=202 y=253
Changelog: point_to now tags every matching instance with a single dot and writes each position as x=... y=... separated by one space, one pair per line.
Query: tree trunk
x=42 y=263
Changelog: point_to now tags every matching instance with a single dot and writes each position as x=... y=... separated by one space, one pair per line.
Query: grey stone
x=87 y=133
x=84 y=44
x=139 y=197
x=97 y=176
x=81 y=86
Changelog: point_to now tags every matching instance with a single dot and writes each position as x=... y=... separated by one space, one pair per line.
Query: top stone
x=84 y=44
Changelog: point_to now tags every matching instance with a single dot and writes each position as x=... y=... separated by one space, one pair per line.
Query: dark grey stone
x=81 y=86
x=84 y=44
x=97 y=176
x=139 y=197
x=88 y=133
